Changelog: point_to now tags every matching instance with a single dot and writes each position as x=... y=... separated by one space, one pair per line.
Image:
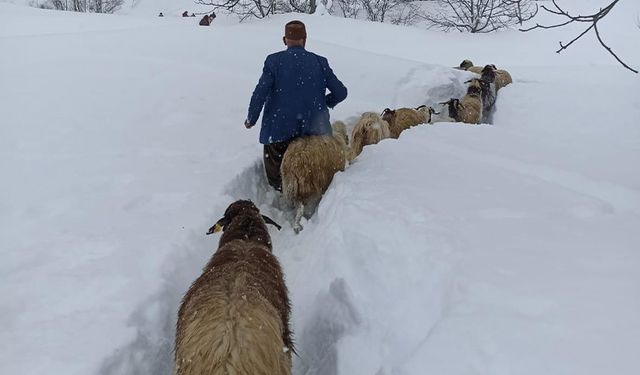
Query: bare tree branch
x=591 y=19
x=480 y=16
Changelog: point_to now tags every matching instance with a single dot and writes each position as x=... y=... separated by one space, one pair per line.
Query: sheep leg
x=297 y=227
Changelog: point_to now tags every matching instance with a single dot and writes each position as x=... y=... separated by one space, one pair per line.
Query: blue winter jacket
x=292 y=89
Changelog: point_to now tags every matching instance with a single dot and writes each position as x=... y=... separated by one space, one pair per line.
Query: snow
x=494 y=249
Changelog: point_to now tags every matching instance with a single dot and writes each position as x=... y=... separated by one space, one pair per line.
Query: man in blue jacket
x=292 y=90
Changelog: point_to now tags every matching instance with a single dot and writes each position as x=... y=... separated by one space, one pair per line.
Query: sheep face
x=427 y=111
x=242 y=219
x=389 y=116
x=453 y=105
x=466 y=64
x=475 y=88
x=488 y=73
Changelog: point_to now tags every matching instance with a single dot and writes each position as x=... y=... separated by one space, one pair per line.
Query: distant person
x=160 y=15
x=206 y=20
x=192 y=15
x=213 y=16
x=292 y=90
x=185 y=14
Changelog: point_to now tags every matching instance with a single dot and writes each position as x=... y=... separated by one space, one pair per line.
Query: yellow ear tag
x=217 y=228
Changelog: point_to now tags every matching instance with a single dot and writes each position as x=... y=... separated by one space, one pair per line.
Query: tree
x=592 y=20
x=349 y=8
x=522 y=10
x=480 y=16
x=245 y=9
x=94 y=6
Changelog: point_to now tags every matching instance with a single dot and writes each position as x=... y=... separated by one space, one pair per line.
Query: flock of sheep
x=234 y=319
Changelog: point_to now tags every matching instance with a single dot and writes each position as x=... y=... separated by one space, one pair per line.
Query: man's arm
x=338 y=92
x=260 y=93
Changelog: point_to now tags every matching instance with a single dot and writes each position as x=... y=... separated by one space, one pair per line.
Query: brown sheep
x=234 y=319
x=468 y=66
x=369 y=130
x=488 y=91
x=402 y=119
x=206 y=20
x=500 y=77
x=469 y=108
x=308 y=167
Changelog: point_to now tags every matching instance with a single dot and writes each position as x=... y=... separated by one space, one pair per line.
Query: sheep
x=234 y=319
x=468 y=66
x=369 y=130
x=469 y=108
x=206 y=20
x=404 y=118
x=488 y=93
x=500 y=77
x=308 y=167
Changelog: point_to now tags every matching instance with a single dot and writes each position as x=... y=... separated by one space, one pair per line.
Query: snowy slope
x=495 y=249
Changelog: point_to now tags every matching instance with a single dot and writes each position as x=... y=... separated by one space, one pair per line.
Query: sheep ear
x=268 y=220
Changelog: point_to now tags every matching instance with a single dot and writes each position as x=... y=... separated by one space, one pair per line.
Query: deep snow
x=495 y=249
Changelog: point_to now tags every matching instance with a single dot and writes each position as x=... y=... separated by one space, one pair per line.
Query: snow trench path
x=152 y=350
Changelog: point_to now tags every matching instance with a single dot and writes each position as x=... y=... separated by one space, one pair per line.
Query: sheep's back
x=503 y=78
x=471 y=111
x=308 y=166
x=406 y=118
x=370 y=130
x=234 y=318
x=475 y=69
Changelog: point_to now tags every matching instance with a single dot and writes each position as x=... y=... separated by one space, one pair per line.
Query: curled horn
x=421 y=106
x=385 y=111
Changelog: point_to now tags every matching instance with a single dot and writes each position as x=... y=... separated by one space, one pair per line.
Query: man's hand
x=247 y=124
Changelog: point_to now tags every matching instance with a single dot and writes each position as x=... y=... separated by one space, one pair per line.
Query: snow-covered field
x=498 y=249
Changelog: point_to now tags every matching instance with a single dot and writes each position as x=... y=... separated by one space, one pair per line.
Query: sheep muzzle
x=215 y=229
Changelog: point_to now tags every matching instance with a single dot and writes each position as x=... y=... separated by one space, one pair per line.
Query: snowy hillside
x=509 y=248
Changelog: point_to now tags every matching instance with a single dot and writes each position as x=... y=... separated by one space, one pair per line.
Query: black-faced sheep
x=488 y=91
x=469 y=108
x=308 y=167
x=500 y=77
x=369 y=130
x=402 y=119
x=234 y=319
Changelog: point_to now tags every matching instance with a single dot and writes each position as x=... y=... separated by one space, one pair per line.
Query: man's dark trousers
x=273 y=154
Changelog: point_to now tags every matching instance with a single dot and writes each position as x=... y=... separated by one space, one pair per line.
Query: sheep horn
x=421 y=106
x=268 y=220
x=386 y=110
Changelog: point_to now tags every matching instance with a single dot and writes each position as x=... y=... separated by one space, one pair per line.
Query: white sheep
x=402 y=119
x=369 y=130
x=308 y=167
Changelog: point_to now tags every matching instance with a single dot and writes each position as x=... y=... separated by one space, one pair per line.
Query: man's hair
x=295 y=30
